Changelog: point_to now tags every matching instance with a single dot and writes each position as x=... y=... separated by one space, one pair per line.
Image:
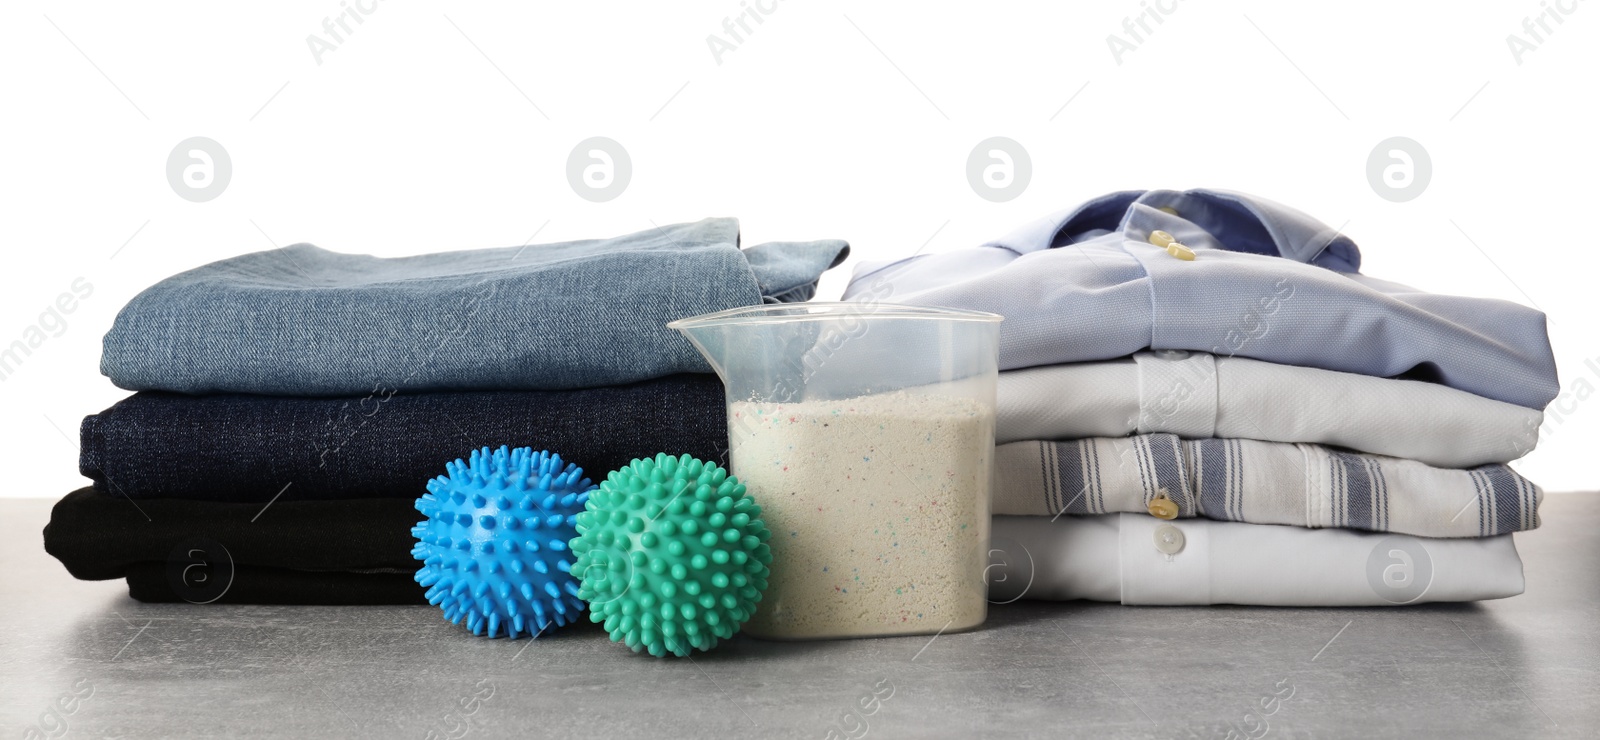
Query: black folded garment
x=248 y=448
x=355 y=551
x=256 y=585
x=98 y=536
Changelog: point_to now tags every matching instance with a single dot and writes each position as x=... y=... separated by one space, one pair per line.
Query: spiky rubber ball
x=672 y=555
x=494 y=545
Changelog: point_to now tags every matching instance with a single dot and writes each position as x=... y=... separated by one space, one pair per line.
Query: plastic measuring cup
x=866 y=434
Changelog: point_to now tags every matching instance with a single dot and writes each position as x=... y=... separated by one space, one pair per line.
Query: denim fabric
x=787 y=272
x=98 y=537
x=303 y=321
x=251 y=448
x=1267 y=282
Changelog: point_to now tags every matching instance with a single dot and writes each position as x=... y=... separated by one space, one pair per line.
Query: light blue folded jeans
x=304 y=321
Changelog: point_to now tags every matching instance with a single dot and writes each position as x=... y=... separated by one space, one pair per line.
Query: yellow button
x=1169 y=210
x=1162 y=507
x=1180 y=251
x=1161 y=238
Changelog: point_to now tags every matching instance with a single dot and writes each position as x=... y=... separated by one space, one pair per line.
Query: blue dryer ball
x=494 y=545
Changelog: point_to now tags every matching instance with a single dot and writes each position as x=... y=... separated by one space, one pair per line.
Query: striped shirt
x=1243 y=480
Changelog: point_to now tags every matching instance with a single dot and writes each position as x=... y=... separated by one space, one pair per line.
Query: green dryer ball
x=672 y=555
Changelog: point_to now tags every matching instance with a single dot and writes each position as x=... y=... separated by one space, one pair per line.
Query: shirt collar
x=1201 y=219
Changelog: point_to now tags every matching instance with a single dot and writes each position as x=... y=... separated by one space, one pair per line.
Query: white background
x=442 y=126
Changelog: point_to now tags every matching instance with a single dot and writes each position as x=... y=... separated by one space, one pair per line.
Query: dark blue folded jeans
x=245 y=448
x=303 y=321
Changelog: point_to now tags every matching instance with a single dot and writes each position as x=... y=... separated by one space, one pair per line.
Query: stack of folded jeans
x=292 y=404
x=1244 y=417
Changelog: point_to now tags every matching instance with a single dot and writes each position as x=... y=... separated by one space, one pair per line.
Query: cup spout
x=710 y=339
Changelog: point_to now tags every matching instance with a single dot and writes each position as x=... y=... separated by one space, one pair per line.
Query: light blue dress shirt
x=1267 y=282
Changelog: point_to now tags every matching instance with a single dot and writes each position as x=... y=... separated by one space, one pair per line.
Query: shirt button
x=1169 y=539
x=1172 y=354
x=1161 y=238
x=1162 y=507
x=1169 y=210
x=1180 y=251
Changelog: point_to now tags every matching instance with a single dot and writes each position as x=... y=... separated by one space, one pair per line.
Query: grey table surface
x=82 y=660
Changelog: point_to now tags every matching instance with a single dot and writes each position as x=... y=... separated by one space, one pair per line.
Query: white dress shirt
x=1139 y=559
x=1197 y=395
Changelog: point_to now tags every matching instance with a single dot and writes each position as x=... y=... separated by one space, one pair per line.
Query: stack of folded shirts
x=292 y=404
x=1243 y=418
